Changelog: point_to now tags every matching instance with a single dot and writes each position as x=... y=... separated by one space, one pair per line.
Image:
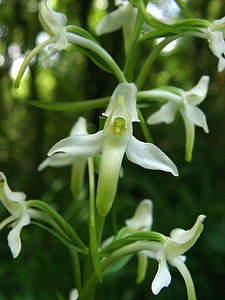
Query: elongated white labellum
x=114 y=147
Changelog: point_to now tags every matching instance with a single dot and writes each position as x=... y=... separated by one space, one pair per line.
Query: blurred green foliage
x=26 y=134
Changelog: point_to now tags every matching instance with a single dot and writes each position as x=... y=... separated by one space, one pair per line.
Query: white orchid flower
x=186 y=103
x=15 y=203
x=113 y=142
x=142 y=218
x=65 y=159
x=123 y=17
x=141 y=221
x=179 y=242
x=54 y=23
x=216 y=37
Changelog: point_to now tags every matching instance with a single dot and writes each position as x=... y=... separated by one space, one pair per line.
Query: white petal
x=80 y=145
x=196 y=116
x=217 y=46
x=123 y=102
x=56 y=160
x=51 y=20
x=13 y=201
x=216 y=43
x=14 y=241
x=149 y=156
x=6 y=191
x=80 y=127
x=198 y=93
x=142 y=219
x=165 y=114
x=162 y=278
x=218 y=25
x=113 y=21
x=112 y=155
x=181 y=236
x=221 y=63
x=150 y=254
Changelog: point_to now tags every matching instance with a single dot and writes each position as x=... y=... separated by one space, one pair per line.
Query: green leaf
x=118 y=265
x=71 y=106
x=96 y=59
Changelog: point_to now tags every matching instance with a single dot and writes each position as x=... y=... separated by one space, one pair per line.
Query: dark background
x=26 y=134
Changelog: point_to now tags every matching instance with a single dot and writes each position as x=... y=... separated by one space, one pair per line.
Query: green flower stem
x=144 y=127
x=66 y=227
x=154 y=35
x=8 y=220
x=187 y=278
x=77 y=177
x=193 y=22
x=29 y=57
x=76 y=269
x=158 y=95
x=94 y=244
x=190 y=139
x=88 y=44
x=142 y=267
x=151 y=58
x=99 y=222
x=133 y=48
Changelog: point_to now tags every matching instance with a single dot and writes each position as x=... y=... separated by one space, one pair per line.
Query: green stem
x=76 y=269
x=99 y=222
x=160 y=95
x=144 y=127
x=153 y=35
x=187 y=278
x=29 y=57
x=94 y=244
x=77 y=178
x=88 y=44
x=151 y=58
x=133 y=48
